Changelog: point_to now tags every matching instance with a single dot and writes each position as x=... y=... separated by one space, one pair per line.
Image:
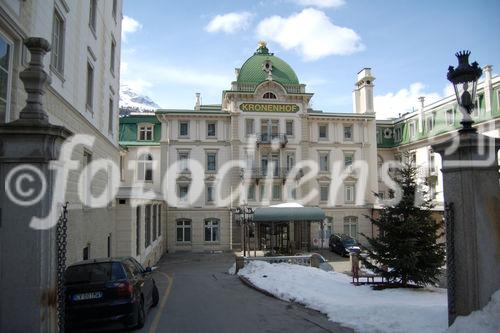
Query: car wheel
x=156 y=296
x=141 y=315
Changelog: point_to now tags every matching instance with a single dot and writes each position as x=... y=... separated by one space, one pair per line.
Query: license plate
x=87 y=296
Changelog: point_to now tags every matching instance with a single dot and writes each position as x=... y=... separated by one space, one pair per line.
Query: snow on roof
x=287 y=205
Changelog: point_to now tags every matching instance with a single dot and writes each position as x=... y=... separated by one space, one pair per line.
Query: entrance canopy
x=287 y=214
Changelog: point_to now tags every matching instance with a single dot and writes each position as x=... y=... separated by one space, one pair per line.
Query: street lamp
x=464 y=79
x=244 y=216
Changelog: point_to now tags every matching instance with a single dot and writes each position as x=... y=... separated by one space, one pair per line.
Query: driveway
x=197 y=295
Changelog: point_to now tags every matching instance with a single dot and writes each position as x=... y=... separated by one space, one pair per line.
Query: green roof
x=281 y=214
x=252 y=72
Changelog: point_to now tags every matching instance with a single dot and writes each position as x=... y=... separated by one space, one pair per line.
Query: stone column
x=471 y=185
x=27 y=256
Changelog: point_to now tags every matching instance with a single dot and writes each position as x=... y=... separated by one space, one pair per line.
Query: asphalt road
x=197 y=295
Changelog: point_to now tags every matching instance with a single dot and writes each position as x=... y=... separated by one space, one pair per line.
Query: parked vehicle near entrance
x=343 y=244
x=109 y=292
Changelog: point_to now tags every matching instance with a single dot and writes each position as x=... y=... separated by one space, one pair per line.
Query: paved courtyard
x=199 y=296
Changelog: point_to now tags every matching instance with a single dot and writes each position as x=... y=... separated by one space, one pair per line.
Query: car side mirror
x=150 y=269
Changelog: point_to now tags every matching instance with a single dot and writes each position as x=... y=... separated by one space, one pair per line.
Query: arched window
x=351 y=226
x=269 y=95
x=145 y=167
x=380 y=162
x=212 y=230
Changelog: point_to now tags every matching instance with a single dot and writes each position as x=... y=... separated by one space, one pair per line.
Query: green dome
x=252 y=70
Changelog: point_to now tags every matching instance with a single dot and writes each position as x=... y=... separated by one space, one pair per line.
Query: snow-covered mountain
x=131 y=101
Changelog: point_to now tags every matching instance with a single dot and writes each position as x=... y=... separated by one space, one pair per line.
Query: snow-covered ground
x=485 y=321
x=361 y=308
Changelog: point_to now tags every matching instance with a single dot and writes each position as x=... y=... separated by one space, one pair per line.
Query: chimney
x=197 y=106
x=421 y=115
x=363 y=93
x=488 y=89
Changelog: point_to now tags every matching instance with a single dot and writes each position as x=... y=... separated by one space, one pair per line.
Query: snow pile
x=288 y=205
x=232 y=270
x=486 y=320
x=361 y=308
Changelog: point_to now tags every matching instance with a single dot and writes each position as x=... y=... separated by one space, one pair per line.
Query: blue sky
x=173 y=49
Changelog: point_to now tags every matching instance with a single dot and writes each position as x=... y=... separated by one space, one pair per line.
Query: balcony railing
x=276 y=173
x=270 y=138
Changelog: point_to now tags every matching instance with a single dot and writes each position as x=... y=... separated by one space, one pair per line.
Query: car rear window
x=96 y=272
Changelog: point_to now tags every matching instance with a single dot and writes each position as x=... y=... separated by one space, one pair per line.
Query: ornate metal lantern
x=464 y=79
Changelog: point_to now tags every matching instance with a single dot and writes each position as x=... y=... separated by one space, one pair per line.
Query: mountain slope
x=132 y=101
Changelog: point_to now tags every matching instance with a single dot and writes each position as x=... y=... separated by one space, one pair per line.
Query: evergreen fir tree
x=407 y=249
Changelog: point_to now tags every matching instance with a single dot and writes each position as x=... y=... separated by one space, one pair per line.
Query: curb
x=251 y=285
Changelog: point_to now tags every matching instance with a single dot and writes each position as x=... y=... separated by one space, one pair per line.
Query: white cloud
x=138 y=85
x=129 y=25
x=321 y=3
x=391 y=104
x=311 y=33
x=229 y=23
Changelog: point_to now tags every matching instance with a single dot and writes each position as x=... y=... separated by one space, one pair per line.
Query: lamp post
x=471 y=193
x=464 y=79
x=244 y=217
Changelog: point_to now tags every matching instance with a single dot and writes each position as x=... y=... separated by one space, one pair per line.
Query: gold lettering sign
x=267 y=107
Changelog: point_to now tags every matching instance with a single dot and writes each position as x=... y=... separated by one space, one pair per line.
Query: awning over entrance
x=278 y=214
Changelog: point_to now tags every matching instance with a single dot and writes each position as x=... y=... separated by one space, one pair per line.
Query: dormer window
x=269 y=95
x=146 y=132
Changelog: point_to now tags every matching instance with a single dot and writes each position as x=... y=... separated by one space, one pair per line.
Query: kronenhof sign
x=268 y=107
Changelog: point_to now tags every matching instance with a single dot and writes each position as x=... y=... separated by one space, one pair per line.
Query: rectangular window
x=413 y=130
x=110 y=116
x=115 y=8
x=323 y=191
x=429 y=123
x=432 y=162
x=93 y=14
x=5 y=77
x=86 y=252
x=184 y=231
x=113 y=54
x=450 y=117
x=159 y=219
x=57 y=52
x=323 y=131
x=211 y=230
x=347 y=132
x=145 y=132
x=211 y=161
x=276 y=192
x=184 y=128
x=323 y=162
x=290 y=161
x=249 y=127
x=251 y=192
x=211 y=129
x=90 y=87
x=155 y=221
x=183 y=161
x=289 y=127
x=147 y=227
x=397 y=134
x=210 y=194
x=109 y=246
x=145 y=167
x=349 y=193
x=138 y=230
x=183 y=192
x=348 y=158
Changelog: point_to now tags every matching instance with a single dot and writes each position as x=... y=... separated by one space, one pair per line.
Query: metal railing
x=294 y=260
x=258 y=173
x=270 y=138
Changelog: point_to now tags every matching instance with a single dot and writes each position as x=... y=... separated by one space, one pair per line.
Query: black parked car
x=109 y=291
x=343 y=244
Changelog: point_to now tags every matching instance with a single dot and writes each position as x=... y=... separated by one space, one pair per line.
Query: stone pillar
x=471 y=184
x=27 y=256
